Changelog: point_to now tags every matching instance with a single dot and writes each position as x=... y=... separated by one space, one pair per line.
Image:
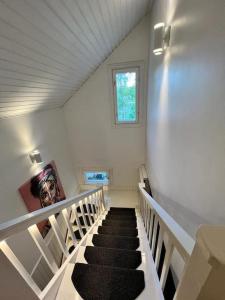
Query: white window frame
x=141 y=90
x=126 y=70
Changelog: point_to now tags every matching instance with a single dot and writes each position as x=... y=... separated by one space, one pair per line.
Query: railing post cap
x=211 y=240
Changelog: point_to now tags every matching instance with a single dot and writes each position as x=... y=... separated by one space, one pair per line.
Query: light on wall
x=161 y=38
x=35 y=157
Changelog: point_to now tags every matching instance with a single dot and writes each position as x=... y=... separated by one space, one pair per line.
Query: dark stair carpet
x=118 y=223
x=96 y=282
x=121 y=231
x=122 y=209
x=129 y=259
x=111 y=270
x=120 y=217
x=119 y=212
x=111 y=241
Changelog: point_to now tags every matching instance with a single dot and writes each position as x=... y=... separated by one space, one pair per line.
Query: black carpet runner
x=110 y=272
x=113 y=257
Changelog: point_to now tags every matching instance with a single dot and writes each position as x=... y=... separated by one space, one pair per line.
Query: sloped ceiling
x=49 y=47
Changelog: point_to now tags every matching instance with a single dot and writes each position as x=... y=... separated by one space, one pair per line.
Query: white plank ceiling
x=48 y=48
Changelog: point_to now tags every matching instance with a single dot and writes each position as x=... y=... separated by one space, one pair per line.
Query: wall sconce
x=161 y=38
x=35 y=157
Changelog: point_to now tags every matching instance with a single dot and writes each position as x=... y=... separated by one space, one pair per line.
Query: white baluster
x=69 y=226
x=88 y=210
x=91 y=198
x=151 y=227
x=154 y=234
x=58 y=234
x=159 y=247
x=83 y=214
x=166 y=263
x=74 y=208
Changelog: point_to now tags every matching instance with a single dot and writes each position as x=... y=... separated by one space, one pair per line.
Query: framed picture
x=42 y=190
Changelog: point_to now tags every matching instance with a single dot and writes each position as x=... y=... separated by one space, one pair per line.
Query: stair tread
x=120 y=217
x=122 y=208
x=122 y=212
x=121 y=231
x=119 y=223
x=94 y=282
x=129 y=259
x=111 y=241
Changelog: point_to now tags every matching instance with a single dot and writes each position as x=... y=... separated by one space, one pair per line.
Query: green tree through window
x=126 y=96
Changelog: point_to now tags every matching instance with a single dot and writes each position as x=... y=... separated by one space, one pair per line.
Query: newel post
x=204 y=275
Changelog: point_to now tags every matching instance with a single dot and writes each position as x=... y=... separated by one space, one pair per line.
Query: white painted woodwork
x=69 y=226
x=151 y=227
x=91 y=201
x=14 y=277
x=154 y=234
x=83 y=214
x=21 y=223
x=159 y=248
x=39 y=241
x=58 y=234
x=204 y=274
x=181 y=238
x=74 y=208
x=86 y=201
x=49 y=48
x=16 y=269
x=166 y=263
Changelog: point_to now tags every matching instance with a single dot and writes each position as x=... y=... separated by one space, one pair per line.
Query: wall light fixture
x=161 y=38
x=35 y=157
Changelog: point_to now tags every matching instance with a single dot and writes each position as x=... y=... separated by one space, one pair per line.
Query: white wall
x=44 y=131
x=95 y=141
x=19 y=136
x=186 y=113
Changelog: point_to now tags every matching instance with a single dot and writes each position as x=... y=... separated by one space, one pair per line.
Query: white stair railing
x=203 y=274
x=15 y=281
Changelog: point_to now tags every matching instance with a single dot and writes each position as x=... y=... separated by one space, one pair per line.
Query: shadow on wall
x=182 y=215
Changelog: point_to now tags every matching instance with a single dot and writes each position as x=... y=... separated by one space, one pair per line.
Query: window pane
x=96 y=177
x=126 y=96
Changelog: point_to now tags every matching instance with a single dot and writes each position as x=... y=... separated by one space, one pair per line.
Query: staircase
x=113 y=253
x=111 y=262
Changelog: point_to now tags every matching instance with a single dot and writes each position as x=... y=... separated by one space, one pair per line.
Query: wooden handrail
x=21 y=223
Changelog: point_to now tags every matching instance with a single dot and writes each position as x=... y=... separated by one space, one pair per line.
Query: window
x=126 y=95
x=96 y=177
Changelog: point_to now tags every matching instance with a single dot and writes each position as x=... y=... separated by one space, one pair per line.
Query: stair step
x=111 y=241
x=120 y=217
x=121 y=212
x=129 y=259
x=122 y=209
x=119 y=223
x=121 y=231
x=95 y=282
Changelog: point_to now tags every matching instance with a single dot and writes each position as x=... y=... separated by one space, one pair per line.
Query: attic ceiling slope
x=48 y=48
